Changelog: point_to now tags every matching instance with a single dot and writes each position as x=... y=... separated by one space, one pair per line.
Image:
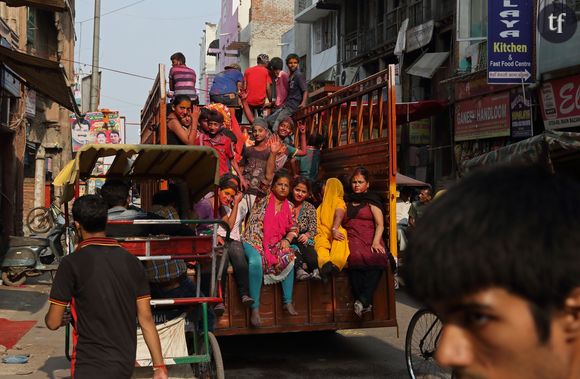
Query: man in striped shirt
x=182 y=78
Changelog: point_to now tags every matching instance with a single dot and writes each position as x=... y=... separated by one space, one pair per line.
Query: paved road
x=360 y=353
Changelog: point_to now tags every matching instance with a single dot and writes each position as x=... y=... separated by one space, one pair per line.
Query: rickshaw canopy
x=198 y=166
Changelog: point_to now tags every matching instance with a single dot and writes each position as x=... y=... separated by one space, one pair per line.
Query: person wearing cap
x=257 y=82
x=226 y=87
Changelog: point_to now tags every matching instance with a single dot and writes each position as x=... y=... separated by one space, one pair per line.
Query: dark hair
x=178 y=56
x=203 y=114
x=164 y=198
x=360 y=170
x=292 y=56
x=91 y=212
x=302 y=180
x=509 y=227
x=276 y=63
x=115 y=192
x=315 y=139
x=103 y=133
x=179 y=98
x=215 y=116
x=228 y=178
x=282 y=173
x=114 y=132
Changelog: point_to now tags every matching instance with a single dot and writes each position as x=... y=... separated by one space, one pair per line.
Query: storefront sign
x=420 y=132
x=475 y=87
x=484 y=117
x=509 y=41
x=30 y=103
x=561 y=103
x=10 y=83
x=521 y=114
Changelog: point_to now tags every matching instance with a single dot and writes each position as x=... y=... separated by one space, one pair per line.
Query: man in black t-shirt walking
x=107 y=291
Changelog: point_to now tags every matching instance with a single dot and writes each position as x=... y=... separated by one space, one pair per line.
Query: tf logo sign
x=557 y=22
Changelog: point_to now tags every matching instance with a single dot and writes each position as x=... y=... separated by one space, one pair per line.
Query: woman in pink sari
x=266 y=240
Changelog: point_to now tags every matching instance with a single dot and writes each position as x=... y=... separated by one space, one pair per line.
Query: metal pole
x=95 y=82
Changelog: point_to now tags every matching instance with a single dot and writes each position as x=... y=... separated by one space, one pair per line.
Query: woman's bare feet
x=289 y=308
x=255 y=318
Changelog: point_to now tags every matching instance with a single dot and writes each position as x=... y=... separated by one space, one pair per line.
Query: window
x=31 y=27
x=324 y=33
x=471 y=20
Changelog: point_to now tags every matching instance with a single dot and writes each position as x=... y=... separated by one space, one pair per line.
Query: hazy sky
x=136 y=39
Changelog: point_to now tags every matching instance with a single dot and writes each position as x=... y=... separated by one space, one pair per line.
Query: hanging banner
x=521 y=113
x=96 y=128
x=509 y=41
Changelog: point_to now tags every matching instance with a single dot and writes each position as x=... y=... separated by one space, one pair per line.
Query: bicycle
x=42 y=219
x=421 y=342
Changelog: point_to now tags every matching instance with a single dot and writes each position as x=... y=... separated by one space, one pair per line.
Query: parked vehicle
x=31 y=256
x=41 y=219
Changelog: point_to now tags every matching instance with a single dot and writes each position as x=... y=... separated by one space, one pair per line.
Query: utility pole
x=95 y=77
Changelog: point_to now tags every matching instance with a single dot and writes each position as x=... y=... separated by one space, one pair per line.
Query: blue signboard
x=509 y=41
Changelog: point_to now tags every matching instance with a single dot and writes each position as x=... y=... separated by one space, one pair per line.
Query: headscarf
x=332 y=199
x=369 y=197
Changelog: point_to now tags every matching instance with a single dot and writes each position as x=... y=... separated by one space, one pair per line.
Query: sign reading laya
x=97 y=127
x=561 y=103
x=509 y=41
x=483 y=117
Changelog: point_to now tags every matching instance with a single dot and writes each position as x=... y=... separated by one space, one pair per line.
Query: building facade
x=37 y=54
x=207 y=62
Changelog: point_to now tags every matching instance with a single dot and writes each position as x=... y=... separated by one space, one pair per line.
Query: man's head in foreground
x=498 y=259
x=90 y=215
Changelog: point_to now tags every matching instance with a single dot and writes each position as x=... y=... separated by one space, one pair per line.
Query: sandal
x=219 y=310
x=302 y=275
x=247 y=301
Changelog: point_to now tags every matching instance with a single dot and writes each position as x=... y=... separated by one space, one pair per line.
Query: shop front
x=560 y=103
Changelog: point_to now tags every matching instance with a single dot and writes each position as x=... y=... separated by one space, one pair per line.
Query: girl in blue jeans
x=266 y=240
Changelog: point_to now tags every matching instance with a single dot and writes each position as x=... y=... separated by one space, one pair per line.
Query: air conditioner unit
x=347 y=76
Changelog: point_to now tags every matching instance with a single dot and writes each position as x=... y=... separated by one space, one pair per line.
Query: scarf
x=371 y=198
x=276 y=225
x=333 y=193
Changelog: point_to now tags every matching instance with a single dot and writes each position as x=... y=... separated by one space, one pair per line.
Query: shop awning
x=404 y=180
x=51 y=5
x=427 y=64
x=418 y=110
x=549 y=149
x=42 y=75
x=238 y=45
x=214 y=47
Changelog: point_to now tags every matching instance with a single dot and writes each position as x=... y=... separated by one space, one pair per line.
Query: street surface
x=360 y=353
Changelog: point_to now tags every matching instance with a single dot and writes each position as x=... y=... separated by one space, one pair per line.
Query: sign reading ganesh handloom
x=483 y=117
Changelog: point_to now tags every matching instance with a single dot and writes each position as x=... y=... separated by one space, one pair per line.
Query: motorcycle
x=32 y=256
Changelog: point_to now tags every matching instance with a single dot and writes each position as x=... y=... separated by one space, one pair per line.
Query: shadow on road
x=24 y=299
x=343 y=354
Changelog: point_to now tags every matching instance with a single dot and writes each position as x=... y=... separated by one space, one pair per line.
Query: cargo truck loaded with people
x=357 y=127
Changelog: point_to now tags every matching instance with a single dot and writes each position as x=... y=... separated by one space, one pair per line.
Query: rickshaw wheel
x=13 y=279
x=215 y=367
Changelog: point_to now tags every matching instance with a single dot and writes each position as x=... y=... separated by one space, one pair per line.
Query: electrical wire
x=113 y=11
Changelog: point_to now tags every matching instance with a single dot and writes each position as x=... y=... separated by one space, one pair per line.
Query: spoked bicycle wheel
x=39 y=220
x=214 y=369
x=420 y=345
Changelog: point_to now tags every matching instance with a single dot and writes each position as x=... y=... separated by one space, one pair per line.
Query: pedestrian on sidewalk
x=108 y=292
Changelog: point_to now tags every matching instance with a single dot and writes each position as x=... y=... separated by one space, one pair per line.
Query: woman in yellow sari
x=332 y=253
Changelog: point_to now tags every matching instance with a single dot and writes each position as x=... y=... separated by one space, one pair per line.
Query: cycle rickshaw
x=150 y=166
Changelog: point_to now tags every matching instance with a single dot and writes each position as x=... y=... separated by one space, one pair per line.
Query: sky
x=135 y=40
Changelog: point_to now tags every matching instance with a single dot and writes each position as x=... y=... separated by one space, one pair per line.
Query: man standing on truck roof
x=496 y=257
x=182 y=78
x=108 y=293
x=257 y=83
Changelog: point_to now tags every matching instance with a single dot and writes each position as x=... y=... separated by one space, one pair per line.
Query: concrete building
x=248 y=28
x=207 y=62
x=37 y=57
